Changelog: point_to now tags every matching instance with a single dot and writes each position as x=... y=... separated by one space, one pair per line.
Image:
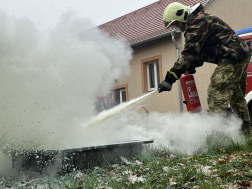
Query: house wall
x=161 y=102
x=237 y=14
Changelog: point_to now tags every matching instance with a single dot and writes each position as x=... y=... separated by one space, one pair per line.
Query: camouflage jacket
x=209 y=39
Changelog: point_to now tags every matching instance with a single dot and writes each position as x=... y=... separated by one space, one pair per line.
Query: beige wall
x=237 y=13
x=157 y=102
x=162 y=102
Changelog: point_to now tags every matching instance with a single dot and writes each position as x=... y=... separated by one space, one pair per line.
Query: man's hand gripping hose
x=166 y=85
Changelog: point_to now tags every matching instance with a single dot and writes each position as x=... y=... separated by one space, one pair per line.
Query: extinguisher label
x=192 y=92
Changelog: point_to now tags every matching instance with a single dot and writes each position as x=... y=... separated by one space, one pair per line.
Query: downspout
x=179 y=85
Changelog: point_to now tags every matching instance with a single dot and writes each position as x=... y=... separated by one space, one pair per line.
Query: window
x=151 y=69
x=122 y=95
x=153 y=75
x=118 y=95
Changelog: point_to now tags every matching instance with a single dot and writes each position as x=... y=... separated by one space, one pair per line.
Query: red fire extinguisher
x=190 y=92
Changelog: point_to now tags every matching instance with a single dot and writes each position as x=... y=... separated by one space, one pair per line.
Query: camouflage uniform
x=209 y=39
x=228 y=84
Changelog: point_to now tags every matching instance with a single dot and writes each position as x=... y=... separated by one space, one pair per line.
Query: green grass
x=223 y=163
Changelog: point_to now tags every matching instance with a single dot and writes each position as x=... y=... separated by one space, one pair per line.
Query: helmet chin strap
x=194 y=7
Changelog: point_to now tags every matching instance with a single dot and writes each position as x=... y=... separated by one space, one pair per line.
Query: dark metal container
x=63 y=161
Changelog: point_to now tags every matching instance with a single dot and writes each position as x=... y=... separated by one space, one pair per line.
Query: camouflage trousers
x=228 y=85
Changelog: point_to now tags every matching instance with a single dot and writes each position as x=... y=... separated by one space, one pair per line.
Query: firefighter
x=209 y=39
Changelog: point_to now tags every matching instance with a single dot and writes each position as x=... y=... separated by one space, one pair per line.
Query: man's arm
x=195 y=38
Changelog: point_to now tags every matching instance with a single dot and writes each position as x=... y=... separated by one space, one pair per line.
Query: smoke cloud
x=184 y=133
x=49 y=80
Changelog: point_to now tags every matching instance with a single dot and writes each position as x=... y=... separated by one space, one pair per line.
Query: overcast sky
x=44 y=13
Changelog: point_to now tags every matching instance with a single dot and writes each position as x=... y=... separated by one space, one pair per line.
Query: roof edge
x=154 y=40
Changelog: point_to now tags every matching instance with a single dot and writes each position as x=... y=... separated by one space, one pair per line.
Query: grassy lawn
x=222 y=163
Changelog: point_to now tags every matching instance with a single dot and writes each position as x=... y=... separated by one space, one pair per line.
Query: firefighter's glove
x=164 y=86
x=191 y=71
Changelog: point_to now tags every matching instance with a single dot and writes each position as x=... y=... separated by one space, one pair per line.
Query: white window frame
x=121 y=90
x=155 y=76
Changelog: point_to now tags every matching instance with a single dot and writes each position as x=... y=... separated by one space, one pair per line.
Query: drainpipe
x=179 y=85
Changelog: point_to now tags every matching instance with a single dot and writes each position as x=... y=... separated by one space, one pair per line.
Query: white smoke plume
x=183 y=133
x=49 y=80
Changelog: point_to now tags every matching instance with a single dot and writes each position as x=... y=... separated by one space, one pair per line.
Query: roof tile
x=144 y=23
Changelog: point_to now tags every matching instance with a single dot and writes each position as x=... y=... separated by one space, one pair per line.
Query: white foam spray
x=106 y=114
